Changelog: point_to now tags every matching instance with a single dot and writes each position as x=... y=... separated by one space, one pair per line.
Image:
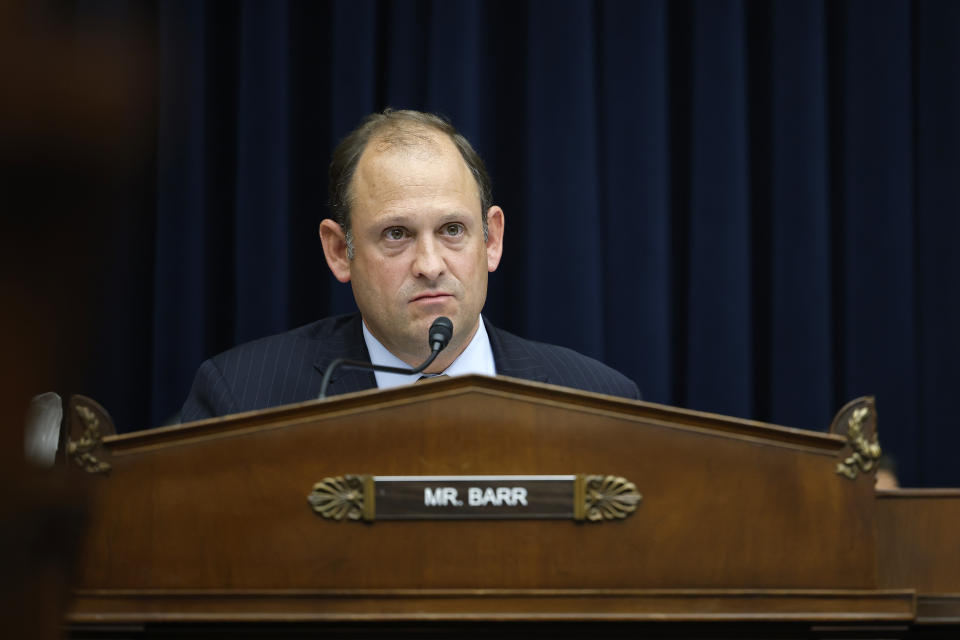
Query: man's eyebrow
x=454 y=216
x=393 y=220
x=405 y=219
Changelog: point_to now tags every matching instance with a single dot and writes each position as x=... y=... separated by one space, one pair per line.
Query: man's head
x=413 y=230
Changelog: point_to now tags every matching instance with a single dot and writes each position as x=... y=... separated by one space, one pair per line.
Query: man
x=415 y=233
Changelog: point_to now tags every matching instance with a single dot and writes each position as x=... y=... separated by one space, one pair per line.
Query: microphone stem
x=358 y=364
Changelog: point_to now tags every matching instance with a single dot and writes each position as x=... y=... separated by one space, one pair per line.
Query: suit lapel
x=347 y=343
x=512 y=356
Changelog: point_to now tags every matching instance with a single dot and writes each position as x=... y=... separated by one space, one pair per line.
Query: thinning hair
x=403 y=128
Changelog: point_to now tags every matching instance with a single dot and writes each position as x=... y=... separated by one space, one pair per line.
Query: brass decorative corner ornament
x=343 y=497
x=600 y=498
x=857 y=421
x=81 y=450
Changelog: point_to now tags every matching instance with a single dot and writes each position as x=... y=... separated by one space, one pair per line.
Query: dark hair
x=403 y=128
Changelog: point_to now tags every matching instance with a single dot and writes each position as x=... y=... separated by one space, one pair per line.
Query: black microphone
x=440 y=333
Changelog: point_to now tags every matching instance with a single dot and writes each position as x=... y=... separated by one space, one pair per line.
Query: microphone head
x=440 y=333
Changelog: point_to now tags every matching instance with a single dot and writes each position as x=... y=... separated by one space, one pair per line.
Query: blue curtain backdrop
x=747 y=207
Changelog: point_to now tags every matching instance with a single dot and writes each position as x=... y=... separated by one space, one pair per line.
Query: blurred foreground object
x=72 y=130
x=44 y=420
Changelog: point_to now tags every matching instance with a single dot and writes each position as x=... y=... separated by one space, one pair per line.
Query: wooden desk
x=741 y=523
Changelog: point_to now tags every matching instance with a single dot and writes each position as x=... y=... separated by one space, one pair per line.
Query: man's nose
x=428 y=262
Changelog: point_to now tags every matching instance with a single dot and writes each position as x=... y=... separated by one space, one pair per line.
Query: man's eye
x=395 y=233
x=453 y=229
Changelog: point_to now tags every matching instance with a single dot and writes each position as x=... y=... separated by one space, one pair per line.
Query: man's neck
x=444 y=359
x=452 y=351
x=475 y=357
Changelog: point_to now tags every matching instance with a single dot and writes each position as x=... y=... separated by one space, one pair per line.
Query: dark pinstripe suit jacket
x=288 y=368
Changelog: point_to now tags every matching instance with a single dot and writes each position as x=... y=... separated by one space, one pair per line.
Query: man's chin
x=426 y=314
x=417 y=337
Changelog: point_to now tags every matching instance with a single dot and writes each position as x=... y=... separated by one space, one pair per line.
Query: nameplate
x=592 y=498
x=469 y=497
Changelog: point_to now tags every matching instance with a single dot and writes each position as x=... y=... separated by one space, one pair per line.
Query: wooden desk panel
x=918 y=546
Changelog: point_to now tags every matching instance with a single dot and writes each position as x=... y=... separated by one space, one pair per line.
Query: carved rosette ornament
x=343 y=497
x=857 y=422
x=601 y=498
x=82 y=449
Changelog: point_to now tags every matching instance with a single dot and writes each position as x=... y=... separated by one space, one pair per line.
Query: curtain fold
x=876 y=250
x=801 y=348
x=561 y=180
x=719 y=287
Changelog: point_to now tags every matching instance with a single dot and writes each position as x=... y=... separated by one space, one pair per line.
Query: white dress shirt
x=476 y=358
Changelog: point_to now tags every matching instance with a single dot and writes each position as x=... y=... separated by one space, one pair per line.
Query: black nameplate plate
x=473 y=497
x=594 y=498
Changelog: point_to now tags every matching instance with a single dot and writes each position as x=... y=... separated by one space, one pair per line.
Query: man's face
x=419 y=246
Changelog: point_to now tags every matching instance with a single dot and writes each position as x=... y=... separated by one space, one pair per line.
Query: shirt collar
x=476 y=358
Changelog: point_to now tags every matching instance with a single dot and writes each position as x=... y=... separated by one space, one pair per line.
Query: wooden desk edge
x=146 y=606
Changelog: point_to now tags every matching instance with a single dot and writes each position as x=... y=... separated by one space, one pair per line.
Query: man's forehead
x=417 y=157
x=437 y=163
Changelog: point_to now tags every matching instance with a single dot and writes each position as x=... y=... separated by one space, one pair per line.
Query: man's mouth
x=432 y=296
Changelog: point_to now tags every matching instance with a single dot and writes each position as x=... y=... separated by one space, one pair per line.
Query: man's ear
x=334 y=242
x=495 y=224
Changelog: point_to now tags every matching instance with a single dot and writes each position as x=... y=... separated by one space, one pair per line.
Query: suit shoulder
x=274 y=370
x=331 y=332
x=559 y=365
